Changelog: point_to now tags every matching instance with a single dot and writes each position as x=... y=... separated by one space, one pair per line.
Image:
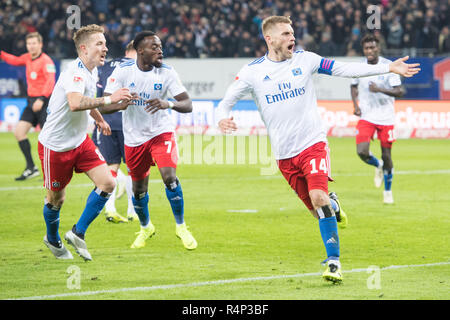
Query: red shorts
x=161 y=150
x=58 y=167
x=307 y=171
x=366 y=130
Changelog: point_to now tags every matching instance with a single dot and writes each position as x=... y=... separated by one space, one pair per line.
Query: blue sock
x=388 y=175
x=334 y=205
x=141 y=208
x=94 y=204
x=51 y=217
x=330 y=238
x=175 y=197
x=373 y=161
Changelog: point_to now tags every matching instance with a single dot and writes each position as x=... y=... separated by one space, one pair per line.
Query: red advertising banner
x=414 y=118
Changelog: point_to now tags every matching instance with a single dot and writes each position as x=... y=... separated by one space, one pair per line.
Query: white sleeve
x=114 y=81
x=355 y=81
x=235 y=92
x=395 y=80
x=174 y=84
x=357 y=70
x=345 y=69
x=74 y=82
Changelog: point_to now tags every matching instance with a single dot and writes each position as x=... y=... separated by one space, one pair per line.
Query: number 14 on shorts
x=318 y=164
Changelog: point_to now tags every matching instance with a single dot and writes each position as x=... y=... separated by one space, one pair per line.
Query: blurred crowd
x=230 y=28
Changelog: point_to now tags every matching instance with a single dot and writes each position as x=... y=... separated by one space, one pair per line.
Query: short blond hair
x=83 y=34
x=269 y=22
x=34 y=35
x=130 y=46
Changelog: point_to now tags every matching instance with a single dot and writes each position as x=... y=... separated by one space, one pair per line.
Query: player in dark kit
x=40 y=72
x=112 y=146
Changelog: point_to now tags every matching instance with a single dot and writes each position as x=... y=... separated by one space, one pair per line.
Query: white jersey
x=140 y=126
x=65 y=129
x=286 y=99
x=377 y=107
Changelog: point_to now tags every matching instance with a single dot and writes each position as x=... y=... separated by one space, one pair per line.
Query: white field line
x=212 y=283
x=411 y=172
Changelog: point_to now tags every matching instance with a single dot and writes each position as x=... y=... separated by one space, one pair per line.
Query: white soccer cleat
x=379 y=176
x=59 y=253
x=78 y=243
x=388 y=197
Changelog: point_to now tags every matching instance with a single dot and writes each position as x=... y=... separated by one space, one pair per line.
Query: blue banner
x=431 y=82
x=11 y=109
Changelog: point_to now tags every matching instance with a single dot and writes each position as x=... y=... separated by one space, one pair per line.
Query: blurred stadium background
x=196 y=34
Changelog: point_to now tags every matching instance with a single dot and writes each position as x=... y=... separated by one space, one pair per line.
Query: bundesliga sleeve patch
x=326 y=66
x=50 y=68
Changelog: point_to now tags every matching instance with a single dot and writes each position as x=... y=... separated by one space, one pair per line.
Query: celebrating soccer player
x=64 y=145
x=282 y=86
x=112 y=146
x=149 y=131
x=40 y=72
x=376 y=95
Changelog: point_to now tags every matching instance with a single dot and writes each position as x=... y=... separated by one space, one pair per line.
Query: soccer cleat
x=388 y=197
x=186 y=237
x=333 y=272
x=28 y=174
x=120 y=189
x=132 y=216
x=58 y=252
x=143 y=235
x=78 y=243
x=379 y=176
x=114 y=217
x=341 y=217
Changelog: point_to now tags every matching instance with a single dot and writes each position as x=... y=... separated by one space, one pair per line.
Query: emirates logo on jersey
x=77 y=79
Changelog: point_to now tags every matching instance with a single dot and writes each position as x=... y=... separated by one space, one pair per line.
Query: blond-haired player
x=64 y=145
x=281 y=84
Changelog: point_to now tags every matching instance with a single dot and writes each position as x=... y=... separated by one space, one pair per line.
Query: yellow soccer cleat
x=341 y=217
x=333 y=272
x=114 y=217
x=142 y=235
x=186 y=237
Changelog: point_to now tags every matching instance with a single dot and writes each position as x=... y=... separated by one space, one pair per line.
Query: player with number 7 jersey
x=149 y=131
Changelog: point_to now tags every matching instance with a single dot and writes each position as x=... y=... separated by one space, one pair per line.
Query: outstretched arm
x=356 y=70
x=12 y=59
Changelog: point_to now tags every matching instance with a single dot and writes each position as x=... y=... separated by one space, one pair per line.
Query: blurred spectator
x=394 y=39
x=444 y=40
x=327 y=47
x=228 y=28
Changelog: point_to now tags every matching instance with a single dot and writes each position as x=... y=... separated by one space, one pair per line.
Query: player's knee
x=139 y=190
x=20 y=134
x=108 y=185
x=171 y=181
x=56 y=200
x=319 y=198
x=363 y=154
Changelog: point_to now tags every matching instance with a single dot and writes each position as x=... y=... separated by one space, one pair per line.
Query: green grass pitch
x=256 y=239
